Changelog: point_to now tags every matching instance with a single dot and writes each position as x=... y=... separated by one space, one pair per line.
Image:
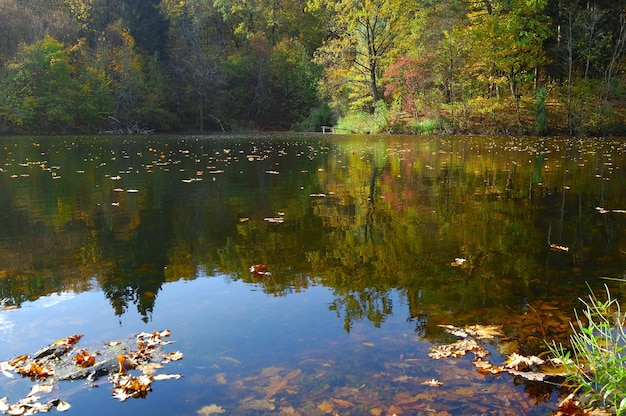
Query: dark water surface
x=107 y=237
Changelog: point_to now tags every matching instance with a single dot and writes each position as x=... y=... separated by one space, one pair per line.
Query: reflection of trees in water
x=354 y=306
x=396 y=214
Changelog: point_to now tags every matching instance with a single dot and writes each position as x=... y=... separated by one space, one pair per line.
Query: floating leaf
x=556 y=247
x=61 y=405
x=167 y=377
x=172 y=356
x=260 y=270
x=517 y=362
x=40 y=388
x=432 y=382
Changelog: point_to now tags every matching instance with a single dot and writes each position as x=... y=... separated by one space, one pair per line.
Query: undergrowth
x=596 y=364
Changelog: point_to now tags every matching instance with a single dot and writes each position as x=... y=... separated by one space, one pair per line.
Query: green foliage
x=541 y=113
x=365 y=123
x=598 y=367
x=426 y=126
x=319 y=116
x=172 y=65
x=42 y=92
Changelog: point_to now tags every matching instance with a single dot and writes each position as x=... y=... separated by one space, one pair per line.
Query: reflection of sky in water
x=231 y=330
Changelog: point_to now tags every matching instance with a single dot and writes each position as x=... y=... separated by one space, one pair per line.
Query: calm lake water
x=372 y=242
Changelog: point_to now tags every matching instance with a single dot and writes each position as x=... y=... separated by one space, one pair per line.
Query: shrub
x=597 y=367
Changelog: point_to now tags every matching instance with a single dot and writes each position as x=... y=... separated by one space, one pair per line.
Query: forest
x=364 y=66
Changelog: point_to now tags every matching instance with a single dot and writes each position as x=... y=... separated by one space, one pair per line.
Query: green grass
x=596 y=364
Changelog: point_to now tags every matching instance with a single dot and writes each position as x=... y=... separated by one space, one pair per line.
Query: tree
x=146 y=23
x=507 y=46
x=361 y=43
x=42 y=93
x=197 y=34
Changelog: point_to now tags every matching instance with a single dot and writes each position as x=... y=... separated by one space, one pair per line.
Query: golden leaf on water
x=83 y=359
x=210 y=410
x=18 y=359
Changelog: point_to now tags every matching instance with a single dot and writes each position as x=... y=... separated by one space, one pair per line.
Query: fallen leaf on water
x=18 y=359
x=149 y=368
x=457 y=349
x=61 y=405
x=172 y=356
x=210 y=409
x=458 y=262
x=40 y=388
x=36 y=370
x=432 y=382
x=528 y=375
x=167 y=376
x=127 y=386
x=520 y=362
x=557 y=247
x=83 y=359
x=260 y=270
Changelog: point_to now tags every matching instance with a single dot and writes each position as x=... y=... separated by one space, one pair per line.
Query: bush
x=319 y=116
x=426 y=126
x=597 y=367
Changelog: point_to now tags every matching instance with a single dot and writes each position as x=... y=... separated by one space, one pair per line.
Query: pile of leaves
x=131 y=371
x=531 y=368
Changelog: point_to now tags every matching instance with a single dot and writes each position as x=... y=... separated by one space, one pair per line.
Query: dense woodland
x=452 y=66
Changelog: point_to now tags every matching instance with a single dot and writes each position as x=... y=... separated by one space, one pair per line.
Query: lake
x=306 y=274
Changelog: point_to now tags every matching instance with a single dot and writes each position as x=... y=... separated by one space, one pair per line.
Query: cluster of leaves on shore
x=131 y=371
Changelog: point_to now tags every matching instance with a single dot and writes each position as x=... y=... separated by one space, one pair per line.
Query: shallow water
x=110 y=236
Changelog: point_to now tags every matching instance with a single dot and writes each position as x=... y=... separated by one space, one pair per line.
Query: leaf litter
x=130 y=366
x=402 y=386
